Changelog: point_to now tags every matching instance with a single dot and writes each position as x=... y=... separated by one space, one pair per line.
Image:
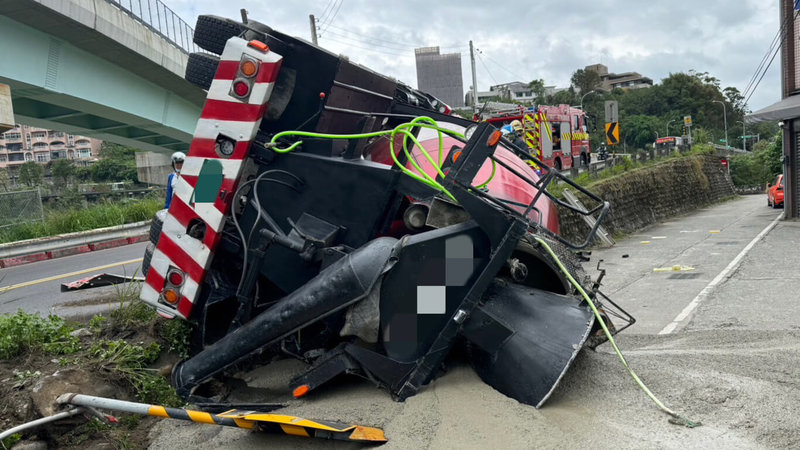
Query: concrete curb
x=40 y=249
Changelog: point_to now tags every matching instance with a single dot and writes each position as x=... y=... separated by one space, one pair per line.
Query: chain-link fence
x=20 y=207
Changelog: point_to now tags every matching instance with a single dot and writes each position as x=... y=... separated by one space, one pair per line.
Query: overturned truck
x=332 y=214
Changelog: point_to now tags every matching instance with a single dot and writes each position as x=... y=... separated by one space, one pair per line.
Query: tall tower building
x=440 y=75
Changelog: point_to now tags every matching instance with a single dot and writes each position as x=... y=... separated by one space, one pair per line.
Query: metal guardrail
x=63 y=241
x=158 y=17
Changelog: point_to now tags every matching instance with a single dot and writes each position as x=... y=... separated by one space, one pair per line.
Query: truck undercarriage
x=334 y=215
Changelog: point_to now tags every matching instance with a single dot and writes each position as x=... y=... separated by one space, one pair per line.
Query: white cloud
x=524 y=41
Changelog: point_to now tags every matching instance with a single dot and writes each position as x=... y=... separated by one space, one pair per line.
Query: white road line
x=717 y=280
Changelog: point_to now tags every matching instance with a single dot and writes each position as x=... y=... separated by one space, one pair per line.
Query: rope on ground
x=677 y=418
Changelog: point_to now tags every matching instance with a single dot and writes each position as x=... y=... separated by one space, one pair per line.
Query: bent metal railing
x=159 y=18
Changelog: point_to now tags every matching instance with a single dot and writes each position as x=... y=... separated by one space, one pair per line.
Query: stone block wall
x=646 y=196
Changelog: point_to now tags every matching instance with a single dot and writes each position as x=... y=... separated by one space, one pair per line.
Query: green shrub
x=23 y=332
x=760 y=166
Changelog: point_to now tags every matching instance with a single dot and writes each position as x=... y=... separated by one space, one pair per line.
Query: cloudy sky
x=524 y=40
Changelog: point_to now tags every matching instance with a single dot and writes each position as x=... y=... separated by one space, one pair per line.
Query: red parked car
x=775 y=193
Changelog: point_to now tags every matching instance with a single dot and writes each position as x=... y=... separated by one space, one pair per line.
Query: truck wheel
x=201 y=68
x=212 y=32
x=148 y=255
x=557 y=164
x=156 y=225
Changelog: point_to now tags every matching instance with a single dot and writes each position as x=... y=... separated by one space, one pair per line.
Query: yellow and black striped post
x=251 y=420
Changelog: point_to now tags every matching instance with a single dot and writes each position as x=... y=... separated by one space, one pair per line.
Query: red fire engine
x=562 y=143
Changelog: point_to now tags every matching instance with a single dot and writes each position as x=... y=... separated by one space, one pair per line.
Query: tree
x=537 y=87
x=565 y=97
x=62 y=170
x=760 y=166
x=584 y=80
x=640 y=130
x=4 y=180
x=107 y=170
x=117 y=163
x=31 y=174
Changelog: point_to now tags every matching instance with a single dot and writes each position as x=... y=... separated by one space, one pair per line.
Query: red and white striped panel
x=229 y=116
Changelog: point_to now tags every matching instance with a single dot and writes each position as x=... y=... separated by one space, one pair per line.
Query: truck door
x=566 y=141
x=547 y=144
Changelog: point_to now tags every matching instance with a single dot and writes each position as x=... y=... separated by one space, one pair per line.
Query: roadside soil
x=31 y=382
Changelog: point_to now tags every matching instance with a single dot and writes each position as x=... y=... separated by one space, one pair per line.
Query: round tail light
x=241 y=88
x=248 y=68
x=171 y=296
x=176 y=278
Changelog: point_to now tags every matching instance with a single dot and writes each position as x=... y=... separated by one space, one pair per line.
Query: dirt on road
x=741 y=385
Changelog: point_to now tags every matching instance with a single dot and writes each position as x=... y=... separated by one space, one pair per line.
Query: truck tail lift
x=334 y=215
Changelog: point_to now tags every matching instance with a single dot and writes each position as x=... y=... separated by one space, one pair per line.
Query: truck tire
x=201 y=68
x=148 y=255
x=156 y=225
x=212 y=32
x=567 y=257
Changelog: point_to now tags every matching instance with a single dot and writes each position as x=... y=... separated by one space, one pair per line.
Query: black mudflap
x=524 y=339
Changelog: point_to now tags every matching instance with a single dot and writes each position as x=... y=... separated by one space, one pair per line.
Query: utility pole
x=313 y=28
x=474 y=80
x=725 y=118
x=744 y=137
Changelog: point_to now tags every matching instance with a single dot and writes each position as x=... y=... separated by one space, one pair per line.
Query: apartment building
x=26 y=143
x=625 y=80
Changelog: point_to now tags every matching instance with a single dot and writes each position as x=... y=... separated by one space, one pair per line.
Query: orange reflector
x=171 y=297
x=300 y=391
x=248 y=68
x=494 y=138
x=456 y=155
x=258 y=45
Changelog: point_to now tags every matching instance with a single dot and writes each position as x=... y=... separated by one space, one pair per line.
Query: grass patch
x=21 y=332
x=131 y=361
x=11 y=440
x=82 y=219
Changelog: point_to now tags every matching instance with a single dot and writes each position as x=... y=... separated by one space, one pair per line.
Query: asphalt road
x=43 y=294
x=656 y=273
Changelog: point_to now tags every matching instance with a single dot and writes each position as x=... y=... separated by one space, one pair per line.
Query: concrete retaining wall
x=646 y=196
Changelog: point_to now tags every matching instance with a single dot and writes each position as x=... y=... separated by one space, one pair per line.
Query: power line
x=762 y=76
x=392 y=47
x=405 y=54
x=775 y=47
x=487 y=69
x=498 y=64
x=333 y=17
x=326 y=11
